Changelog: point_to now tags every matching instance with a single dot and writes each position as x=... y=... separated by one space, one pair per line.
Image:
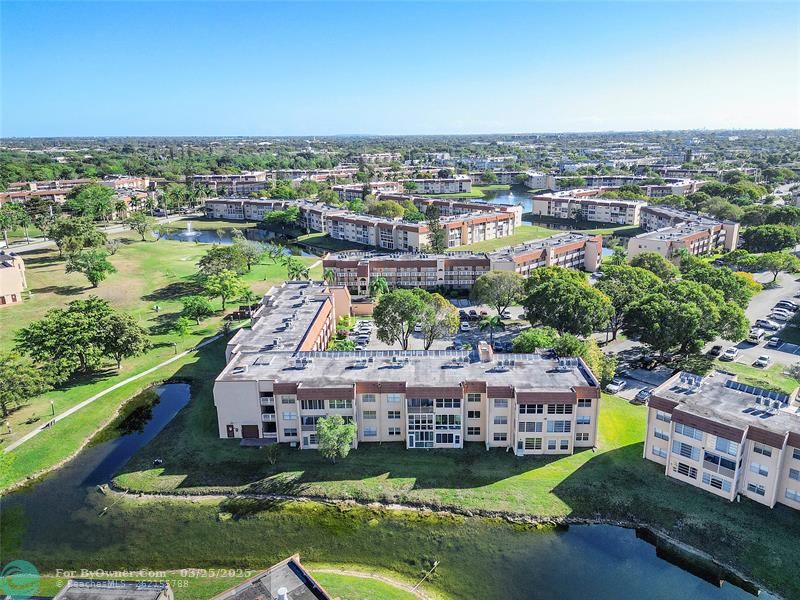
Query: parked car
x=756 y=335
x=730 y=353
x=505 y=315
x=418 y=328
x=715 y=350
x=780 y=316
x=774 y=342
x=465 y=327
x=787 y=304
x=647 y=362
x=642 y=395
x=473 y=315
x=616 y=386
x=767 y=324
x=463 y=315
x=359 y=347
x=483 y=313
x=761 y=361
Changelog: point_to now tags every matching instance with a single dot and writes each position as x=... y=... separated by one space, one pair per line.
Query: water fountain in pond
x=190 y=230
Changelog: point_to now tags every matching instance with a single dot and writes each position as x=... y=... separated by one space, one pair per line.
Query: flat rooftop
x=87 y=589
x=429 y=368
x=553 y=241
x=721 y=398
x=288 y=575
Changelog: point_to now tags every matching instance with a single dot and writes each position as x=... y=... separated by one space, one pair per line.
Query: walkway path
x=416 y=592
x=88 y=401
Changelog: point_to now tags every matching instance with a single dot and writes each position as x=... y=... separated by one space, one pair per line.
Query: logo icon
x=19 y=579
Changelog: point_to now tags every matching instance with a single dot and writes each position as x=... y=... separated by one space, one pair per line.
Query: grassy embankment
x=522 y=233
x=148 y=274
x=478 y=191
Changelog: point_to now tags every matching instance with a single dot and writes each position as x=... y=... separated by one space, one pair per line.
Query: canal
x=70 y=521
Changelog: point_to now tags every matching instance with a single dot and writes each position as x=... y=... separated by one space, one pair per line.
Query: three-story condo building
x=279 y=381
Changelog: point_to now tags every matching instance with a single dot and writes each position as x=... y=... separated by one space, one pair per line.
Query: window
x=728 y=447
x=660 y=452
x=559 y=409
x=370 y=414
x=531 y=409
x=551 y=444
x=312 y=439
x=370 y=431
x=563 y=444
x=796 y=453
x=473 y=397
x=368 y=397
x=762 y=470
x=533 y=443
x=585 y=403
x=290 y=416
x=716 y=482
x=445 y=438
x=583 y=420
x=340 y=403
x=501 y=420
x=393 y=397
x=661 y=434
x=685 y=450
x=581 y=437
x=448 y=421
x=688 y=431
x=794 y=474
x=559 y=426
x=419 y=403
x=500 y=437
x=686 y=470
x=287 y=399
x=393 y=414
x=792 y=494
x=756 y=488
x=530 y=426
x=721 y=462
x=290 y=432
x=394 y=431
x=473 y=430
x=448 y=403
x=662 y=416
x=501 y=402
x=762 y=449
x=312 y=404
x=473 y=414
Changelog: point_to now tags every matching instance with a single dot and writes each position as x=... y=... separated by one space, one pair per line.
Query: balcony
x=714 y=468
x=267 y=401
x=268 y=418
x=309 y=428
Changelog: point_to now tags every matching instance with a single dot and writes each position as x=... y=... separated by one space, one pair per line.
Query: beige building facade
x=12 y=278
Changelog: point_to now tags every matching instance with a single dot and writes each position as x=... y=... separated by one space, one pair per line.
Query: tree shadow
x=175 y=290
x=163 y=323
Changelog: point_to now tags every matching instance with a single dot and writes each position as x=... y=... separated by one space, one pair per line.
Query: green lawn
x=478 y=191
x=612 y=482
x=148 y=273
x=207 y=224
x=522 y=233
x=770 y=378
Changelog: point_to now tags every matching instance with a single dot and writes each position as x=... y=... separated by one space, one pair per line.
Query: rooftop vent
x=238 y=370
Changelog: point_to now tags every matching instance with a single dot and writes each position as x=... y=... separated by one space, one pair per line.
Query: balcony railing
x=270 y=401
x=714 y=468
x=309 y=427
x=268 y=417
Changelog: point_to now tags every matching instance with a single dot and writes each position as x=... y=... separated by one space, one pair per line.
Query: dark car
x=473 y=315
x=715 y=351
x=463 y=315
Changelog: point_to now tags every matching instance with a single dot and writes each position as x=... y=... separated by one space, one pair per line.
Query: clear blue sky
x=269 y=68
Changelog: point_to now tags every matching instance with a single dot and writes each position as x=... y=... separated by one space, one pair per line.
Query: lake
x=66 y=522
x=225 y=236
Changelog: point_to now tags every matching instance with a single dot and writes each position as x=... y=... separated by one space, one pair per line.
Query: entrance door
x=231 y=432
x=250 y=431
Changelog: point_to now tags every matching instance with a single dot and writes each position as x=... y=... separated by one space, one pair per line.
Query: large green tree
x=624 y=285
x=563 y=299
x=775 y=262
x=140 y=222
x=124 y=337
x=439 y=318
x=335 y=436
x=19 y=382
x=92 y=263
x=733 y=287
x=72 y=234
x=224 y=285
x=655 y=263
x=534 y=339
x=197 y=308
x=91 y=200
x=437 y=234
x=770 y=238
x=396 y=315
x=222 y=258
x=498 y=289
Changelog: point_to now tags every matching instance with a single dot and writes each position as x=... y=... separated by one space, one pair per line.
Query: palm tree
x=296 y=270
x=248 y=297
x=329 y=276
x=491 y=323
x=377 y=287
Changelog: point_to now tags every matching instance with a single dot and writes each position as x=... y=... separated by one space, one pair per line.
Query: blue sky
x=304 y=68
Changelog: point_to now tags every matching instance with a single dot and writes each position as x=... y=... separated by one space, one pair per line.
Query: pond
x=66 y=522
x=225 y=236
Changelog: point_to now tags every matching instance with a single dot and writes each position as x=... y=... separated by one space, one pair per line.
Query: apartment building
x=126 y=182
x=287 y=580
x=587 y=206
x=380 y=158
x=449 y=207
x=357 y=191
x=51 y=184
x=503 y=177
x=355 y=270
x=460 y=184
x=278 y=383
x=540 y=181
x=726 y=438
x=245 y=182
x=114 y=589
x=672 y=229
x=12 y=278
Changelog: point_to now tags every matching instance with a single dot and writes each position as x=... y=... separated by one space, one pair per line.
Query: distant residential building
x=278 y=384
x=357 y=191
x=12 y=278
x=460 y=184
x=380 y=158
x=586 y=205
x=96 y=589
x=232 y=183
x=671 y=229
x=539 y=181
x=355 y=270
x=287 y=580
x=726 y=437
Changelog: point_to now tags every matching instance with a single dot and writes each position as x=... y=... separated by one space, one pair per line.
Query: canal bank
x=70 y=521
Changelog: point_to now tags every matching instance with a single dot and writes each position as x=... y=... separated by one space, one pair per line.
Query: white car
x=616 y=386
x=730 y=353
x=779 y=316
x=417 y=328
x=761 y=361
x=783 y=311
x=465 y=327
x=767 y=324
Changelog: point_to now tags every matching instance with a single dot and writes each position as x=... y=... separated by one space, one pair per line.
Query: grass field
x=202 y=223
x=148 y=273
x=522 y=233
x=770 y=378
x=478 y=191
